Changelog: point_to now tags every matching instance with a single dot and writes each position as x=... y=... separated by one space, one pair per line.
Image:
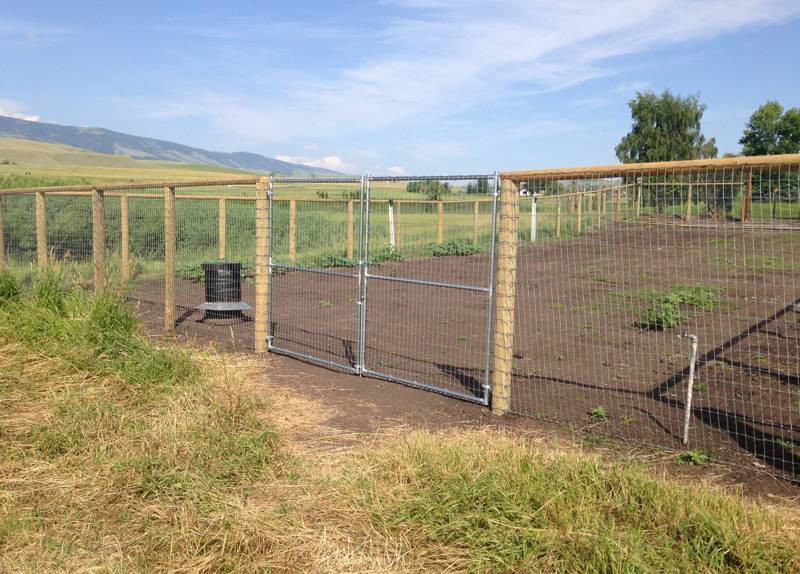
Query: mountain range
x=101 y=140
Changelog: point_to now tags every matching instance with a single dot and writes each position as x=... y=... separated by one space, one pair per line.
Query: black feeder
x=223 y=284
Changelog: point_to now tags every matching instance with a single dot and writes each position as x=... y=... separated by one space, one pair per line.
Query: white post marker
x=392 y=243
x=689 y=387
x=534 y=198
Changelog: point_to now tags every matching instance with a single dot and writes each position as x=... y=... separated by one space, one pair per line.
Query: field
x=123 y=455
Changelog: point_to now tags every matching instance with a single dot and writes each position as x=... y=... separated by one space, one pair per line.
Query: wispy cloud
x=333 y=162
x=19 y=34
x=448 y=56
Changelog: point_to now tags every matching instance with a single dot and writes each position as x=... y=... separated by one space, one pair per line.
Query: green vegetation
x=663 y=310
x=599 y=414
x=694 y=457
x=772 y=130
x=456 y=247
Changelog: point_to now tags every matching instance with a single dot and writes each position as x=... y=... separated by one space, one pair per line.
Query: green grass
x=512 y=508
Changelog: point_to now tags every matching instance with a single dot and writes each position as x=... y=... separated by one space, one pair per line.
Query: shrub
x=659 y=316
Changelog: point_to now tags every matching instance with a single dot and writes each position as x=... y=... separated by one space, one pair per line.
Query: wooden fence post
x=292 y=230
x=505 y=297
x=2 y=238
x=350 y=223
x=476 y=212
x=599 y=206
x=689 y=200
x=747 y=197
x=558 y=218
x=170 y=247
x=618 y=206
x=125 y=239
x=533 y=219
x=262 y=265
x=638 y=197
x=99 y=238
x=440 y=222
x=41 y=230
x=580 y=212
x=222 y=224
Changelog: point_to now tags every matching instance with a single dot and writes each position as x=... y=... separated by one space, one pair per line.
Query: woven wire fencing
x=620 y=275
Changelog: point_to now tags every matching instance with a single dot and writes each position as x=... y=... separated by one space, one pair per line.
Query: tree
x=770 y=131
x=665 y=128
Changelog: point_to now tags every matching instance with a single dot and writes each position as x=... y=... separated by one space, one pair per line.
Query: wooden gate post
x=558 y=218
x=2 y=238
x=99 y=238
x=440 y=222
x=505 y=296
x=580 y=213
x=747 y=197
x=222 y=224
x=689 y=200
x=350 y=224
x=170 y=247
x=125 y=239
x=292 y=230
x=262 y=265
x=618 y=206
x=41 y=230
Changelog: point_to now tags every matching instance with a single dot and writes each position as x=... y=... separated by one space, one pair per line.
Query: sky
x=396 y=86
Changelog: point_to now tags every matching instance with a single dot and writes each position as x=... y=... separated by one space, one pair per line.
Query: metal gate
x=399 y=289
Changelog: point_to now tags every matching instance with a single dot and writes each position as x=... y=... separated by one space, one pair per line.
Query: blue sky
x=405 y=86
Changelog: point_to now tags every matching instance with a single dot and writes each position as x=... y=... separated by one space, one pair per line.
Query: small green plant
x=384 y=255
x=659 y=316
x=701 y=387
x=695 y=457
x=334 y=261
x=785 y=444
x=455 y=247
x=599 y=414
x=322 y=194
x=627 y=420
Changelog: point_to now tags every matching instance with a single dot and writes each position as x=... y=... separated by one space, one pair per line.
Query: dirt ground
x=577 y=347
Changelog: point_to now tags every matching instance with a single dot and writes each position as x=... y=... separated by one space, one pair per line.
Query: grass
x=663 y=310
x=123 y=455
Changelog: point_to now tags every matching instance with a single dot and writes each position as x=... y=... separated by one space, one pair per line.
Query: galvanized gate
x=409 y=299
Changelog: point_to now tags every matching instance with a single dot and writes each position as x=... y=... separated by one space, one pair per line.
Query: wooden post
x=618 y=206
x=170 y=247
x=599 y=206
x=99 y=238
x=639 y=197
x=41 y=230
x=292 y=230
x=125 y=239
x=350 y=223
x=222 y=224
x=747 y=197
x=392 y=241
x=440 y=222
x=476 y=212
x=558 y=219
x=533 y=219
x=505 y=297
x=262 y=265
x=689 y=200
x=580 y=212
x=2 y=238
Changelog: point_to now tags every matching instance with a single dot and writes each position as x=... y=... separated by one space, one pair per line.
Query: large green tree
x=771 y=130
x=665 y=127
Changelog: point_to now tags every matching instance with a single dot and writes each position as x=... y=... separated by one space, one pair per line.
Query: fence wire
x=626 y=270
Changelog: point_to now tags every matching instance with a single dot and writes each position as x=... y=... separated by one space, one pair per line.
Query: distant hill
x=140 y=148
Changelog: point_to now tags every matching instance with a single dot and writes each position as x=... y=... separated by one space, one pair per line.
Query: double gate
x=398 y=289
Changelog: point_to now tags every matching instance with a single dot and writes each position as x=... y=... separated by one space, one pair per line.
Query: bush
x=9 y=289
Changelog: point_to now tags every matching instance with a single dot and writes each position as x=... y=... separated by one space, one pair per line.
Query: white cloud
x=12 y=109
x=448 y=56
x=333 y=162
x=19 y=34
x=396 y=170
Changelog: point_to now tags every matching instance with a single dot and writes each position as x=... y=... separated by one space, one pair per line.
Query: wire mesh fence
x=627 y=271
x=622 y=301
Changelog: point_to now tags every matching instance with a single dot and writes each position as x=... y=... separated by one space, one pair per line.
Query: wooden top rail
x=788 y=162
x=127 y=186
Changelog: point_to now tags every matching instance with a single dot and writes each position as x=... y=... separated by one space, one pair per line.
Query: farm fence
x=654 y=302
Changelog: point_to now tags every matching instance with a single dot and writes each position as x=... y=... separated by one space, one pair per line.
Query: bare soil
x=578 y=344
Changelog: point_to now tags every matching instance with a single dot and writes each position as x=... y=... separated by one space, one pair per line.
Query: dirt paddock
x=582 y=358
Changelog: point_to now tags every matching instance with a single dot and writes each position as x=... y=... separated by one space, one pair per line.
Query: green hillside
x=25 y=163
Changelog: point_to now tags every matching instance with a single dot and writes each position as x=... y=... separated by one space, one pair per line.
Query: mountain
x=115 y=143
